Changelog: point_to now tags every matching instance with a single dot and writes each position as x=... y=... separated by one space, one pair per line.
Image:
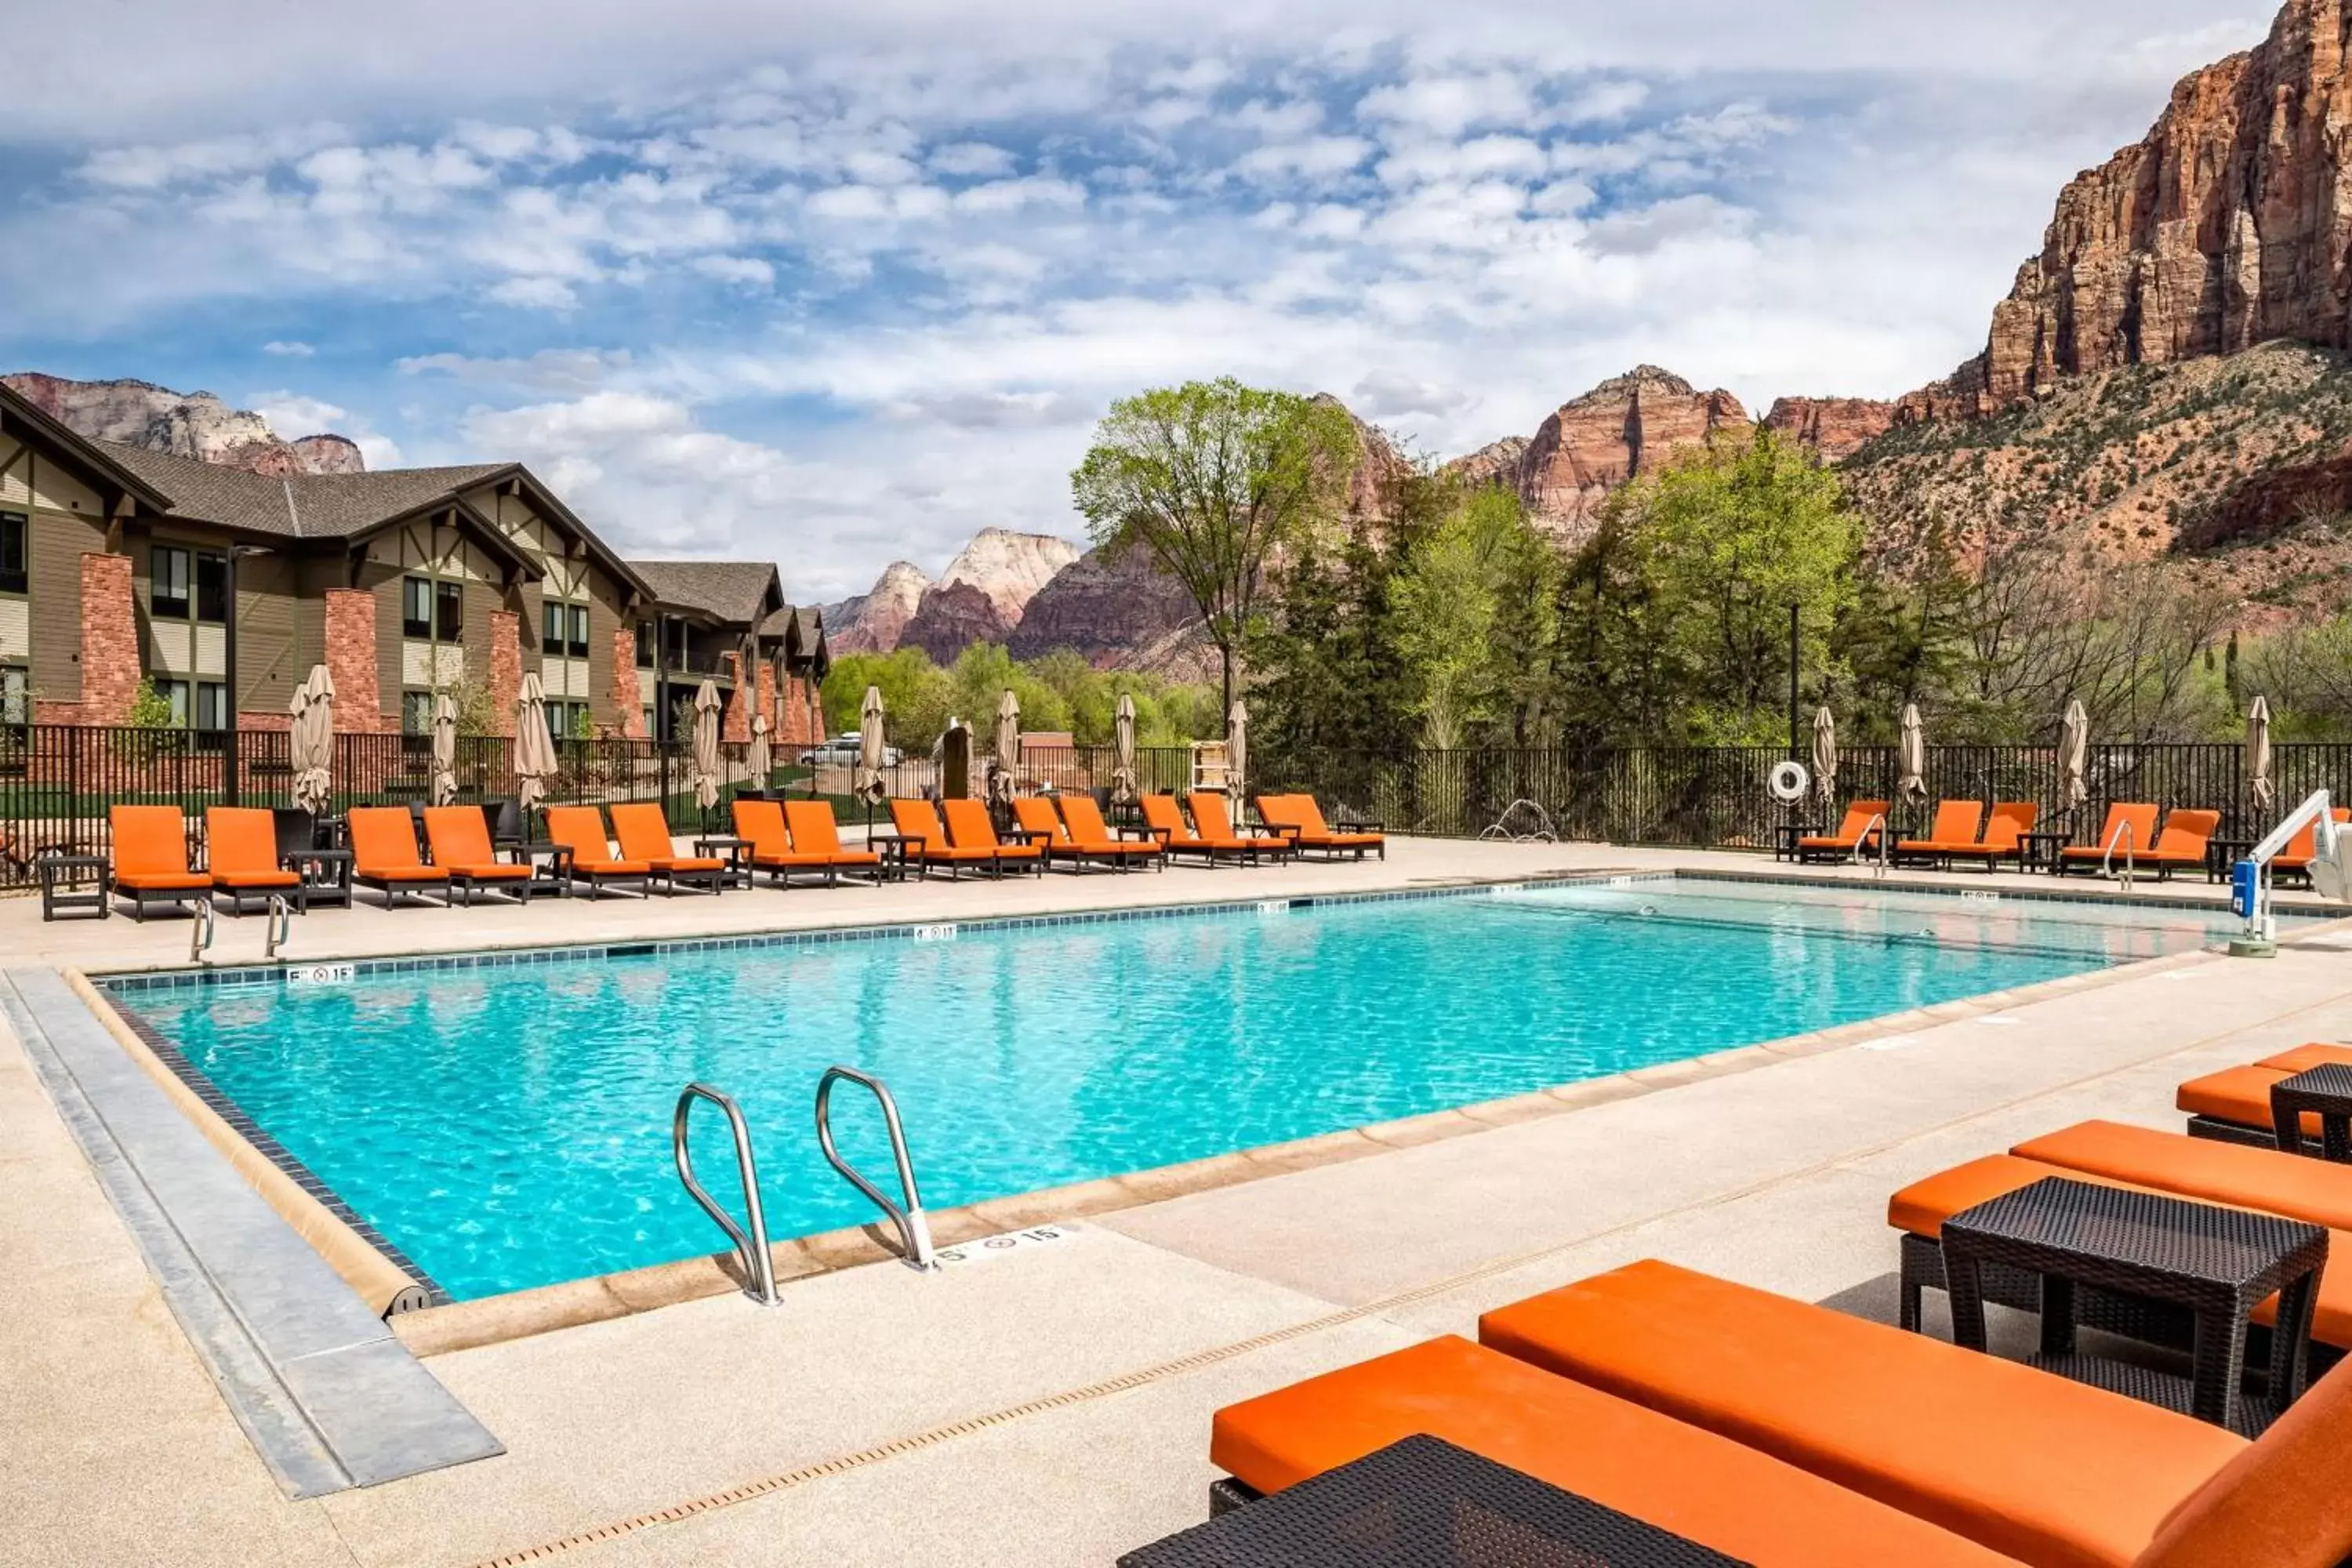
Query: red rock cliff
x=1623 y=428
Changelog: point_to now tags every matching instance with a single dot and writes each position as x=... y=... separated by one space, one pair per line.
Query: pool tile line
x=908 y=931
x=218 y=1100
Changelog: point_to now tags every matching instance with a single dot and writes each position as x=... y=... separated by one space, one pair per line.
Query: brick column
x=109 y=641
x=767 y=697
x=350 y=661
x=735 y=724
x=628 y=713
x=506 y=670
x=796 y=723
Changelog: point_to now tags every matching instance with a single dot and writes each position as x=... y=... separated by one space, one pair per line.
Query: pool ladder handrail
x=200 y=930
x=750 y=1250
x=279 y=930
x=2123 y=837
x=914 y=1229
x=1878 y=824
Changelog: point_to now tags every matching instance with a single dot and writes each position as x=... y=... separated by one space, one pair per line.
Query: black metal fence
x=56 y=782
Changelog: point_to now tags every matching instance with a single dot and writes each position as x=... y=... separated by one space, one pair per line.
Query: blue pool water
x=509 y=1127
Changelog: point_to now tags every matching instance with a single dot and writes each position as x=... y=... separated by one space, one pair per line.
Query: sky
x=841 y=285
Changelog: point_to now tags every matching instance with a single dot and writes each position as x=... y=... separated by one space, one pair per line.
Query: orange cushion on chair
x=2292 y=1184
x=2046 y=1470
x=1699 y=1486
x=2242 y=1095
x=2304 y=1058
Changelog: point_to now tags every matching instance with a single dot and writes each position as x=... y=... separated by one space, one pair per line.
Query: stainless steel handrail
x=280 y=929
x=200 y=932
x=751 y=1250
x=1877 y=822
x=914 y=1230
x=2124 y=837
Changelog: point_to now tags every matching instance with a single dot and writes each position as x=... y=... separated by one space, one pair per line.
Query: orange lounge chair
x=1918 y=1213
x=1043 y=825
x=459 y=837
x=151 y=858
x=580 y=831
x=924 y=840
x=2234 y=1104
x=1298 y=818
x=971 y=827
x=2038 y=1468
x=2004 y=836
x=241 y=854
x=761 y=822
x=1212 y=817
x=2182 y=844
x=645 y=838
x=2129 y=834
x=385 y=856
x=1091 y=834
x=1865 y=820
x=2295 y=860
x=1954 y=832
x=1166 y=820
x=814 y=832
x=1706 y=1488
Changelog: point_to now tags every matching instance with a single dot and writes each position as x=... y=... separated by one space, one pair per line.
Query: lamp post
x=1795 y=727
x=229 y=769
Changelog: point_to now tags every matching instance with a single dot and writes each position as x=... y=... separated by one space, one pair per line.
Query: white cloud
x=745 y=272
x=1448 y=105
x=1312 y=158
x=548 y=370
x=971 y=158
x=293 y=416
x=534 y=294
x=288 y=350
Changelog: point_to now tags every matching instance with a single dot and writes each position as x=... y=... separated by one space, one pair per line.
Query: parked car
x=842 y=752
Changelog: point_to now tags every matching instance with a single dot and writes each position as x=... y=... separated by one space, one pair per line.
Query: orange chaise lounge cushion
x=1301 y=812
x=384 y=846
x=1859 y=817
x=1955 y=828
x=971 y=827
x=1922 y=1208
x=460 y=837
x=1701 y=1487
x=241 y=848
x=1090 y=833
x=761 y=822
x=918 y=821
x=643 y=834
x=151 y=849
x=2051 y=1472
x=2243 y=1094
x=814 y=832
x=2291 y=1185
x=581 y=829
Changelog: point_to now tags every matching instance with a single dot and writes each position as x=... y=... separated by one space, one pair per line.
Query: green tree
x=916 y=695
x=150 y=708
x=1474 y=623
x=1213 y=478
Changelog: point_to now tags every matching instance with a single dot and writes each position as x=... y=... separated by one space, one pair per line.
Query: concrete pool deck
x=1048 y=1405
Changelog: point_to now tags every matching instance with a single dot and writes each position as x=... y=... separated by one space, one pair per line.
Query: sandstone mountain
x=186 y=424
x=873 y=622
x=979 y=598
x=1836 y=428
x=1120 y=614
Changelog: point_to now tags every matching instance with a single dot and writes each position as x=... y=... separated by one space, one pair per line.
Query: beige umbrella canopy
x=445 y=749
x=313 y=739
x=1236 y=748
x=1123 y=778
x=2258 y=754
x=757 y=762
x=1825 y=756
x=534 y=748
x=871 y=747
x=1008 y=745
x=705 y=746
x=1913 y=785
x=2073 y=758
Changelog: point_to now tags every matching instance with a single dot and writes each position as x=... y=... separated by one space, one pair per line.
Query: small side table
x=2220 y=854
x=2219 y=1263
x=326 y=874
x=555 y=876
x=2039 y=851
x=2325 y=1092
x=893 y=850
x=738 y=852
x=1785 y=836
x=62 y=890
x=1424 y=1503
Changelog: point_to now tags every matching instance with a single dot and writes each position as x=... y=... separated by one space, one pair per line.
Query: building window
x=645 y=718
x=168 y=572
x=431 y=611
x=645 y=645
x=15 y=695
x=416 y=712
x=567 y=720
x=174 y=694
x=563 y=630
x=15 y=548
x=211 y=705
x=579 y=623
x=551 y=630
x=212 y=588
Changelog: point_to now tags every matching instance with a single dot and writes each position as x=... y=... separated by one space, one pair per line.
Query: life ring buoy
x=1788 y=782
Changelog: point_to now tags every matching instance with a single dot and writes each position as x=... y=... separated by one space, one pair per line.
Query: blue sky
x=842 y=286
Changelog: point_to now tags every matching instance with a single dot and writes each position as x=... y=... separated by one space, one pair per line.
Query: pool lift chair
x=750 y=1239
x=2249 y=879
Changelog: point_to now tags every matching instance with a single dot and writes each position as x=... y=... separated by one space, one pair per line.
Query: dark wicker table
x=1424 y=1503
x=1785 y=835
x=892 y=848
x=2039 y=851
x=326 y=874
x=738 y=855
x=2218 y=1263
x=74 y=884
x=2325 y=1092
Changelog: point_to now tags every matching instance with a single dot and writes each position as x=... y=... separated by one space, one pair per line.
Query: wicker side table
x=2218 y=1263
x=74 y=884
x=2325 y=1092
x=1424 y=1503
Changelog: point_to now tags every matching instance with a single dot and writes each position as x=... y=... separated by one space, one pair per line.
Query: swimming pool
x=508 y=1126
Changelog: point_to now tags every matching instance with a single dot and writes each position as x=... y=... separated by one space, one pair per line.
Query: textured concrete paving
x=1050 y=1406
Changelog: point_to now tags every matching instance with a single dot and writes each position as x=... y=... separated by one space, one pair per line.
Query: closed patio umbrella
x=1122 y=779
x=871 y=747
x=705 y=746
x=313 y=739
x=2073 y=758
x=1008 y=745
x=1913 y=785
x=756 y=760
x=534 y=748
x=445 y=749
x=1825 y=757
x=1236 y=749
x=2258 y=754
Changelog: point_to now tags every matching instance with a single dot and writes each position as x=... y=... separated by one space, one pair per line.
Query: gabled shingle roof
x=733 y=591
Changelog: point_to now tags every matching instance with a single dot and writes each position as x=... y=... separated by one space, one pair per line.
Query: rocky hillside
x=873 y=622
x=1121 y=614
x=979 y=598
x=186 y=424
